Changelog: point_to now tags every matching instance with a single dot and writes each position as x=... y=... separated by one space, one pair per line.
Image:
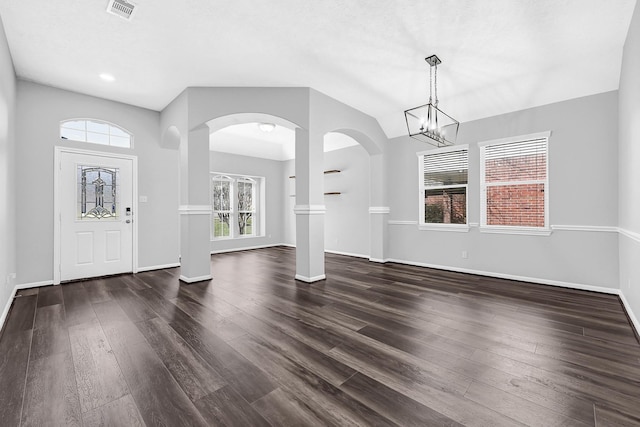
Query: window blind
x=532 y=147
x=448 y=168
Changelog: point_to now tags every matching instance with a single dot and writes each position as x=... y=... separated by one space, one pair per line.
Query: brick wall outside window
x=520 y=204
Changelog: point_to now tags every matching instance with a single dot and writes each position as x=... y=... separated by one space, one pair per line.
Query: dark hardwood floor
x=373 y=345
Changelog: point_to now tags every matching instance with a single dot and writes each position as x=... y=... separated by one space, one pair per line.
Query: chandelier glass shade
x=427 y=123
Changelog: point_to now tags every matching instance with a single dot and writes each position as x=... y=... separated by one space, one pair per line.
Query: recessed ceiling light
x=266 y=127
x=107 y=77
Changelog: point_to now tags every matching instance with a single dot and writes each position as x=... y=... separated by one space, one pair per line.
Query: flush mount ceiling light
x=266 y=127
x=107 y=77
x=427 y=123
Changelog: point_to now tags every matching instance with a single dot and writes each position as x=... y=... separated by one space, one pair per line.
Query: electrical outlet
x=11 y=278
x=465 y=255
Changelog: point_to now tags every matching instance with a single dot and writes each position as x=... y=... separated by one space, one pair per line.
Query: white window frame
x=231 y=181
x=110 y=126
x=514 y=229
x=258 y=205
x=422 y=225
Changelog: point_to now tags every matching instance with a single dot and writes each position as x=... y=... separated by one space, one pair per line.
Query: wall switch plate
x=465 y=255
x=143 y=199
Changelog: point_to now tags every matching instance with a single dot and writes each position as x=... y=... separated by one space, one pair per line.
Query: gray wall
x=7 y=170
x=40 y=110
x=272 y=171
x=629 y=166
x=582 y=185
x=346 y=221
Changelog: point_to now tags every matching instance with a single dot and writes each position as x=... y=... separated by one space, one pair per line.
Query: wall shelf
x=330 y=193
x=325 y=172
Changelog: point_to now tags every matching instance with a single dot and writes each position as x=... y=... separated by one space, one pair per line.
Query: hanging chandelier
x=427 y=123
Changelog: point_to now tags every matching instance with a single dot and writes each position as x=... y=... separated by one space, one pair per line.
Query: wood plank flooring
x=374 y=344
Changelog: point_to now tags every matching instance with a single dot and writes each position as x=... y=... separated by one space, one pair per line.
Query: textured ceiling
x=498 y=55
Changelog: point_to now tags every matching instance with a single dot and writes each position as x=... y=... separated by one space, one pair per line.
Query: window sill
x=225 y=239
x=460 y=228
x=528 y=231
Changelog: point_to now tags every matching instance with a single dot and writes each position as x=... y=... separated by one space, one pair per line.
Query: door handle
x=128 y=221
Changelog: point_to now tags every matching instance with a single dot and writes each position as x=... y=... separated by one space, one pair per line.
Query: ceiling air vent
x=122 y=8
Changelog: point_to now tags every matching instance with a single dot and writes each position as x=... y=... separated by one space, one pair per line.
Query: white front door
x=95 y=196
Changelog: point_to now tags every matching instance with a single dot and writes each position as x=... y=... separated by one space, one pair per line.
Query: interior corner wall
x=628 y=168
x=272 y=171
x=7 y=171
x=583 y=202
x=39 y=112
x=346 y=220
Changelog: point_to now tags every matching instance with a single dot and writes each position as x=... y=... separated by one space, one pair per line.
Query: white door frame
x=57 y=209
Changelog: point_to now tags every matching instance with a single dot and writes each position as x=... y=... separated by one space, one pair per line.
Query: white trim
x=379 y=209
x=378 y=260
x=195 y=279
x=527 y=137
x=458 y=228
x=632 y=316
x=158 y=267
x=58 y=150
x=396 y=222
x=528 y=231
x=310 y=279
x=630 y=234
x=537 y=280
x=596 y=228
x=444 y=149
x=309 y=209
x=246 y=248
x=34 y=284
x=346 y=254
x=289 y=245
x=474 y=224
x=7 y=307
x=194 y=209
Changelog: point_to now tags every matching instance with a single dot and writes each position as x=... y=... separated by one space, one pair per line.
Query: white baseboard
x=158 y=267
x=33 y=284
x=537 y=280
x=195 y=279
x=289 y=245
x=310 y=279
x=247 y=248
x=632 y=316
x=378 y=260
x=7 y=307
x=346 y=254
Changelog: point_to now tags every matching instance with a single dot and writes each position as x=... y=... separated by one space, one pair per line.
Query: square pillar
x=195 y=207
x=309 y=208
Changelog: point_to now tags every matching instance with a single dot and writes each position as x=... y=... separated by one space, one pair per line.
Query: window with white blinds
x=443 y=186
x=514 y=183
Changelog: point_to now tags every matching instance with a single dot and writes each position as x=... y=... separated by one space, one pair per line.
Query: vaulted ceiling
x=498 y=55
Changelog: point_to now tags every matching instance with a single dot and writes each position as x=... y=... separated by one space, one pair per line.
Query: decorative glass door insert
x=97 y=193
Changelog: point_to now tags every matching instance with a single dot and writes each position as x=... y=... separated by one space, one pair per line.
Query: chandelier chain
x=430 y=83
x=436 y=84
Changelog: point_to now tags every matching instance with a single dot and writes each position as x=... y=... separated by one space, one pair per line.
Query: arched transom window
x=96 y=132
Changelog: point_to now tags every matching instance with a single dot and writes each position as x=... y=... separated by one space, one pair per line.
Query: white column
x=378 y=211
x=195 y=207
x=378 y=221
x=309 y=207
